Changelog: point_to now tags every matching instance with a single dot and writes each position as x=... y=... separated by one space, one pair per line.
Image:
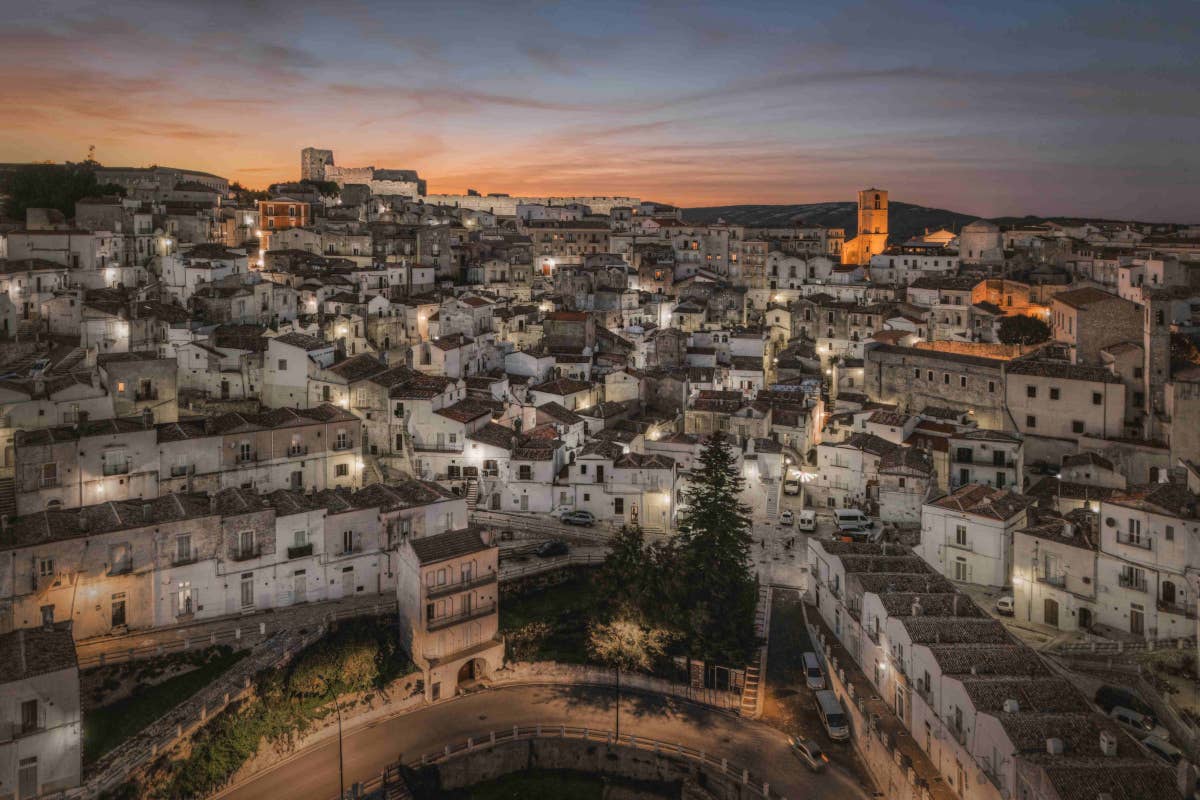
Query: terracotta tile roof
x=445 y=546
x=29 y=652
x=465 y=411
x=984 y=501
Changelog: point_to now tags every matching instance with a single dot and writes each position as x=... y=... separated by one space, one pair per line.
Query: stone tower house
x=313 y=162
x=872 y=228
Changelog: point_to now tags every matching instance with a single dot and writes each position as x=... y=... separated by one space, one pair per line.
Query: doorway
x=299 y=587
x=118 y=610
x=1085 y=619
x=1050 y=612
x=1137 y=620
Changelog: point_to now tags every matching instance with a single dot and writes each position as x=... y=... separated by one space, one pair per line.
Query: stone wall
x=489 y=763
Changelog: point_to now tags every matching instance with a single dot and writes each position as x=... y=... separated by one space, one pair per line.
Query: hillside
x=904 y=219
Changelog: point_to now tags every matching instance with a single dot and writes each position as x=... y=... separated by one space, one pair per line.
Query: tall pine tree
x=717 y=588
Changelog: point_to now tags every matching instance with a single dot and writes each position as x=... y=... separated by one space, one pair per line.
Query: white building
x=967 y=535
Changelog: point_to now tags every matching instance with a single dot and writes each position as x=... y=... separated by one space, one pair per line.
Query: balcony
x=967 y=545
x=1135 y=541
x=1059 y=581
x=245 y=554
x=425 y=447
x=477 y=612
x=1174 y=608
x=1135 y=582
x=183 y=559
x=143 y=395
x=349 y=551
x=182 y=470
x=50 y=483
x=297 y=450
x=340 y=446
x=460 y=586
x=120 y=568
x=300 y=551
x=121 y=468
x=245 y=458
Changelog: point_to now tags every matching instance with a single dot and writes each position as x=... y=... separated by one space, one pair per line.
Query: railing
x=437 y=623
x=460 y=586
x=1053 y=580
x=425 y=447
x=241 y=554
x=967 y=545
x=351 y=550
x=151 y=394
x=182 y=560
x=182 y=471
x=1174 y=608
x=245 y=458
x=754 y=785
x=297 y=450
x=115 y=469
x=123 y=568
x=300 y=551
x=1135 y=582
x=50 y=483
x=341 y=446
x=1145 y=544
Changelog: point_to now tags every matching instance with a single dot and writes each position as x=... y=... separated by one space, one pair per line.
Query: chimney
x=1108 y=743
x=1054 y=746
x=1011 y=706
x=1068 y=530
x=916 y=607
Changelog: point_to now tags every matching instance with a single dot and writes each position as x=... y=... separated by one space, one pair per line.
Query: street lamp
x=338 y=706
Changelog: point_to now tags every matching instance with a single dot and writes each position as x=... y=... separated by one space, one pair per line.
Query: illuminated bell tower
x=872 y=223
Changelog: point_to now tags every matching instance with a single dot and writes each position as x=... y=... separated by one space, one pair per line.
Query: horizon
x=694 y=106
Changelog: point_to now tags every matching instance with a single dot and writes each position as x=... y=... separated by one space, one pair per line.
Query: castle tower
x=313 y=162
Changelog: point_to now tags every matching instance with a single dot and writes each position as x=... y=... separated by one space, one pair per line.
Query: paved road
x=312 y=773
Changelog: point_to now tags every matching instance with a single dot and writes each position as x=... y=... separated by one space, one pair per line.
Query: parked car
x=1109 y=697
x=787 y=518
x=586 y=518
x=851 y=519
x=791 y=487
x=806 y=520
x=1163 y=749
x=1138 y=723
x=833 y=717
x=552 y=548
x=809 y=752
x=813 y=677
x=1006 y=606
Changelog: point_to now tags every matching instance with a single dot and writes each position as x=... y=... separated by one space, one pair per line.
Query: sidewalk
x=242 y=631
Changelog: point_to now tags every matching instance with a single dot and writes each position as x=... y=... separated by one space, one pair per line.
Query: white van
x=812 y=672
x=851 y=519
x=832 y=716
x=806 y=520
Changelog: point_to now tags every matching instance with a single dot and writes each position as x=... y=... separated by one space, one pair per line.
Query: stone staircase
x=372 y=471
x=472 y=493
x=772 y=489
x=69 y=362
x=752 y=690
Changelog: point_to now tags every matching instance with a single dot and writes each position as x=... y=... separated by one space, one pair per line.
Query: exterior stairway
x=472 y=493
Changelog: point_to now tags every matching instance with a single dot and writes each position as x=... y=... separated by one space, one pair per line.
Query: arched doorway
x=473 y=670
x=1051 y=612
x=1085 y=619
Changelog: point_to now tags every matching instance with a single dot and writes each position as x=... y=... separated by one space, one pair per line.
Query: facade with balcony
x=448 y=593
x=1055 y=578
x=41 y=727
x=986 y=457
x=967 y=535
x=623 y=488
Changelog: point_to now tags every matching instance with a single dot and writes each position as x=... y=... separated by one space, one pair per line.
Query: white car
x=1005 y=606
x=787 y=518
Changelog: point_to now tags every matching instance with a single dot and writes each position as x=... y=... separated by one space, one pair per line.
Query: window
x=246 y=544
x=342 y=441
x=525 y=472
x=1031 y=391
x=583 y=469
x=247 y=589
x=1030 y=421
x=1170 y=533
x=917 y=374
x=29 y=716
x=960 y=535
x=962 y=381
x=1054 y=393
x=587 y=498
x=991 y=387
x=946 y=378
x=619 y=505
x=1097 y=398
x=46 y=567
x=929 y=375
x=120 y=387
x=341 y=470
x=1076 y=426
x=282 y=364
x=183 y=547
x=299 y=538
x=347 y=541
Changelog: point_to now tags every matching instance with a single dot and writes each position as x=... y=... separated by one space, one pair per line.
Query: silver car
x=809 y=752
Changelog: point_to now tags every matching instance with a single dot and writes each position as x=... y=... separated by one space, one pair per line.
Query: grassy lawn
x=550 y=624
x=108 y=726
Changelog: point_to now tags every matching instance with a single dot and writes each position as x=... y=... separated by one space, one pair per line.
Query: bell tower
x=872 y=222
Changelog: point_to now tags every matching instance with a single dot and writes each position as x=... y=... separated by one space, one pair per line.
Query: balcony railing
x=121 y=468
x=460 y=586
x=183 y=559
x=182 y=470
x=245 y=554
x=339 y=446
x=121 y=568
x=1173 y=608
x=436 y=448
x=49 y=483
x=1135 y=541
x=351 y=550
x=297 y=450
x=1135 y=582
x=1053 y=580
x=300 y=551
x=246 y=458
x=483 y=610
x=146 y=394
x=957 y=545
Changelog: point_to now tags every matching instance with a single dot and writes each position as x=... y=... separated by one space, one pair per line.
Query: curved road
x=312 y=774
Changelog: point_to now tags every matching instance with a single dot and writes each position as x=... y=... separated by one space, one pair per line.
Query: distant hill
x=905 y=220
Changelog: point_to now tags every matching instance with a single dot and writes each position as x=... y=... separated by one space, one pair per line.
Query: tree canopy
x=57 y=186
x=1020 y=329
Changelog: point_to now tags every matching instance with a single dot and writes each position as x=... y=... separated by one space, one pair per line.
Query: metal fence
x=753 y=784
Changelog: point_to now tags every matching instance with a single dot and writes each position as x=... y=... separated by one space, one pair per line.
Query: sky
x=1044 y=108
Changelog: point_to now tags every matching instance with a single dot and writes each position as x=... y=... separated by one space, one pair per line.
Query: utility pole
x=341 y=766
